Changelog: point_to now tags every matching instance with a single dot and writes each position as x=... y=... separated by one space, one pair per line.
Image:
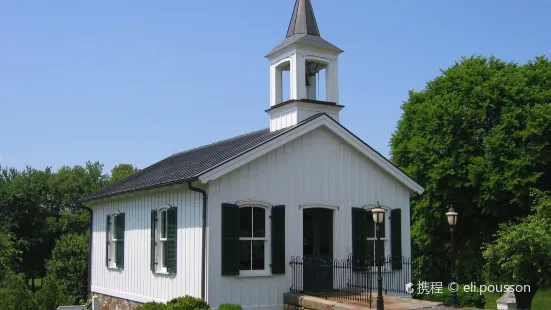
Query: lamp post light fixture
x=452 y=221
x=378 y=218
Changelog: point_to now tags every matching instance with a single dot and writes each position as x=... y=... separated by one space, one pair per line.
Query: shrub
x=69 y=266
x=187 y=303
x=464 y=299
x=230 y=307
x=152 y=306
x=14 y=294
x=49 y=297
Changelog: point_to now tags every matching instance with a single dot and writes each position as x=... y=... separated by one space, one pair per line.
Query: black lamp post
x=378 y=218
x=452 y=220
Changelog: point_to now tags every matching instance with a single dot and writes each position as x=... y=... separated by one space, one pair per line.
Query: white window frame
x=385 y=240
x=159 y=240
x=267 y=249
x=112 y=242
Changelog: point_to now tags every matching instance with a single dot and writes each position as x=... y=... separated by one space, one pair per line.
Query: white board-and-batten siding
x=136 y=281
x=317 y=168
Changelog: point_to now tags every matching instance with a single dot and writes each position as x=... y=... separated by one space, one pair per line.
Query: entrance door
x=318 y=249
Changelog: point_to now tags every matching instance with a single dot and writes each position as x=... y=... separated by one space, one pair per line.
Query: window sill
x=164 y=273
x=114 y=268
x=254 y=274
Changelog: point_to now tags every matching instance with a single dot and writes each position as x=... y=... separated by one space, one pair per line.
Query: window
x=253 y=241
x=364 y=238
x=163 y=239
x=371 y=237
x=115 y=240
x=161 y=259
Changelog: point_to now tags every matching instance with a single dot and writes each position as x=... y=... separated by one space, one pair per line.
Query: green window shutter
x=359 y=235
x=171 y=244
x=230 y=239
x=119 y=233
x=278 y=240
x=107 y=232
x=153 y=243
x=396 y=238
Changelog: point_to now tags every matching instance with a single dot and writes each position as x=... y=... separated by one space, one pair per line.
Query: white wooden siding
x=136 y=281
x=316 y=168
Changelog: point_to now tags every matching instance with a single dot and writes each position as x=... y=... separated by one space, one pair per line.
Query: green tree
x=70 y=183
x=24 y=207
x=478 y=138
x=122 y=171
x=68 y=266
x=9 y=255
x=14 y=294
x=521 y=252
x=50 y=296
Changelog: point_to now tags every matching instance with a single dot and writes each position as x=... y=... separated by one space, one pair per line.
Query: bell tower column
x=298 y=79
x=332 y=81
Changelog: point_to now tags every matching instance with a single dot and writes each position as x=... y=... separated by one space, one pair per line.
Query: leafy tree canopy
x=478 y=138
x=122 y=171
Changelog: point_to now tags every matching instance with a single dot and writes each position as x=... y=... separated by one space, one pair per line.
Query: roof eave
x=299 y=41
x=89 y=199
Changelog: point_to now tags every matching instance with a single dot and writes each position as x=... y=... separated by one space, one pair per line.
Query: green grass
x=491 y=300
x=37 y=283
x=542 y=300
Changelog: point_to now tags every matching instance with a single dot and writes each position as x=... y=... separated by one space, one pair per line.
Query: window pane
x=244 y=254
x=371 y=252
x=258 y=255
x=370 y=225
x=164 y=253
x=259 y=222
x=113 y=229
x=163 y=224
x=245 y=222
x=383 y=229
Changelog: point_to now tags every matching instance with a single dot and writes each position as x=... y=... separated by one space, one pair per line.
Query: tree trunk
x=524 y=298
x=32 y=283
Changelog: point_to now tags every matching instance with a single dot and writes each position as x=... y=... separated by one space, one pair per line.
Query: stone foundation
x=107 y=302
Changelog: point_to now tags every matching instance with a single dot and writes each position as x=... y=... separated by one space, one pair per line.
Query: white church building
x=222 y=221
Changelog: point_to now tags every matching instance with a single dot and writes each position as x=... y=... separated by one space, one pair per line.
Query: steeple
x=303 y=20
x=304 y=55
x=303 y=30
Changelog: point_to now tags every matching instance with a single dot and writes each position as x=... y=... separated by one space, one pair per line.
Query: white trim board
x=332 y=125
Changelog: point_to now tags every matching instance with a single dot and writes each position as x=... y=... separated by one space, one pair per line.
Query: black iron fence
x=355 y=281
x=337 y=279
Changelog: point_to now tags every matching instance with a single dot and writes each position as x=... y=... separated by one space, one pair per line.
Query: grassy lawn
x=491 y=300
x=37 y=283
x=542 y=300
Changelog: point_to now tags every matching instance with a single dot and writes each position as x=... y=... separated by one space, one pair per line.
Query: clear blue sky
x=131 y=81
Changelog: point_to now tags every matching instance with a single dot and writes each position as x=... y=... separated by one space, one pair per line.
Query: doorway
x=318 y=249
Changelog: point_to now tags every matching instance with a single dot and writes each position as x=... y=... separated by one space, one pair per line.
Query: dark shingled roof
x=190 y=164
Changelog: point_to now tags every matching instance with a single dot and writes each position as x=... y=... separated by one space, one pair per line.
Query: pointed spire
x=303 y=20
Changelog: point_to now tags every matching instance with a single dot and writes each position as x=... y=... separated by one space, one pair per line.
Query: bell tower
x=305 y=55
